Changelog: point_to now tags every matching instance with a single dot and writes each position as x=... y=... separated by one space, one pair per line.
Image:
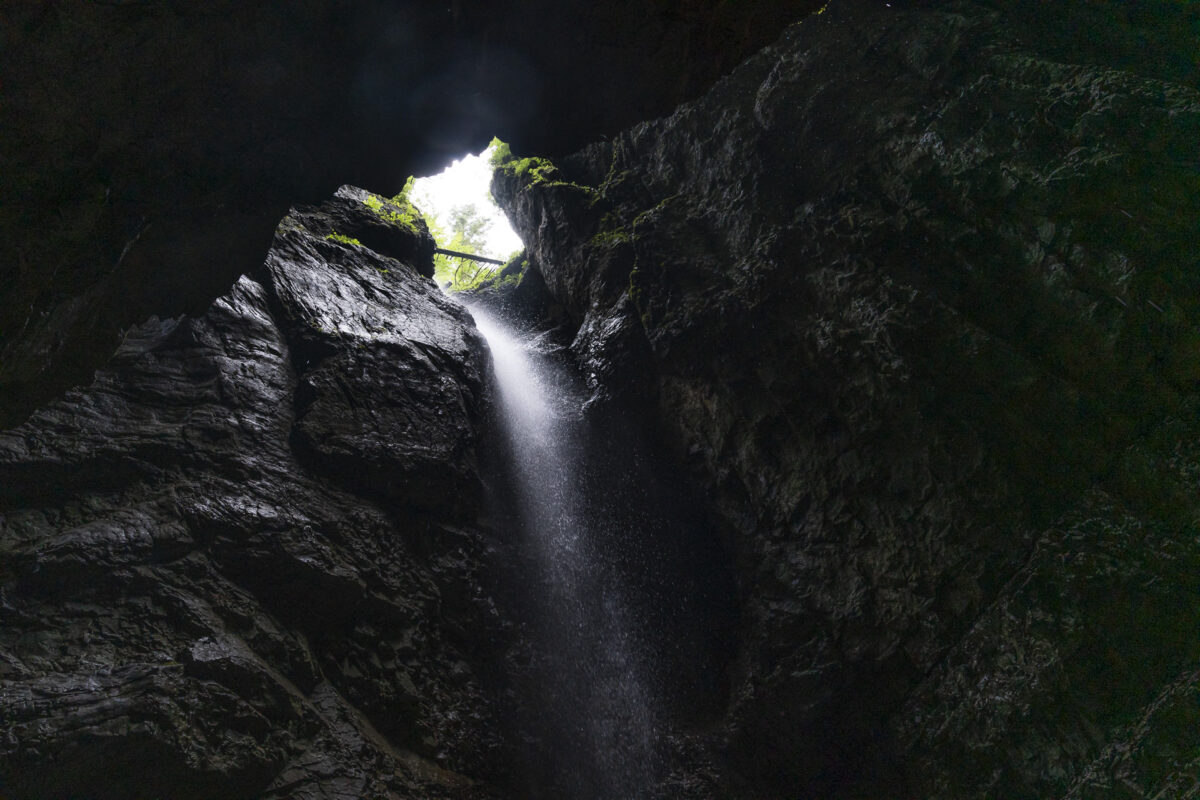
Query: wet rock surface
x=246 y=560
x=913 y=296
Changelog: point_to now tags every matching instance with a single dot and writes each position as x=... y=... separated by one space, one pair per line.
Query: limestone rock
x=919 y=297
x=243 y=562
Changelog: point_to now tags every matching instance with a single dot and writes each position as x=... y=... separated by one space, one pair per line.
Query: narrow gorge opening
x=463 y=218
x=623 y=587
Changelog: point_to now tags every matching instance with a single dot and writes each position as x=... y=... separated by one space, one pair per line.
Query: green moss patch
x=337 y=237
x=397 y=213
x=536 y=171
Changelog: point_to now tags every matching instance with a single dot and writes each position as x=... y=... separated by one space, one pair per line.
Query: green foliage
x=465 y=228
x=398 y=212
x=532 y=169
x=501 y=153
x=468 y=234
x=469 y=228
x=337 y=237
x=437 y=232
x=470 y=275
x=611 y=232
x=507 y=277
x=404 y=196
x=535 y=171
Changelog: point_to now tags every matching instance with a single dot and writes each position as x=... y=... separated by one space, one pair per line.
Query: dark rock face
x=915 y=299
x=245 y=561
x=150 y=147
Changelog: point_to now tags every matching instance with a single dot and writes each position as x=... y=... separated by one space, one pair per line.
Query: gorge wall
x=915 y=300
x=910 y=299
x=247 y=560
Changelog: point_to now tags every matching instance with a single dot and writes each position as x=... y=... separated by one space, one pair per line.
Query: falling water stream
x=598 y=712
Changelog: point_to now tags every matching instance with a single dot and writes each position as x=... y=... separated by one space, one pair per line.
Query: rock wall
x=913 y=295
x=247 y=561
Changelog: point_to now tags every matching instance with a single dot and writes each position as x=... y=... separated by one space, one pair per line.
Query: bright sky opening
x=465 y=182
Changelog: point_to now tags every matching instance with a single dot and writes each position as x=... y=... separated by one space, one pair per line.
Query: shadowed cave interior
x=833 y=435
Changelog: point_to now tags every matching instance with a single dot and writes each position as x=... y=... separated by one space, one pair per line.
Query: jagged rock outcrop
x=914 y=297
x=245 y=561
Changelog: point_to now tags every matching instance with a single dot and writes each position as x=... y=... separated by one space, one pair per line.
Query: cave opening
x=625 y=593
x=463 y=217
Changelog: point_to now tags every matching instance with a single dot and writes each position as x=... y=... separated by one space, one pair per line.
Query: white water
x=598 y=719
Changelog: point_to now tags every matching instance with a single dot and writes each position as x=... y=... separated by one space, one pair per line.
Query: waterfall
x=597 y=711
